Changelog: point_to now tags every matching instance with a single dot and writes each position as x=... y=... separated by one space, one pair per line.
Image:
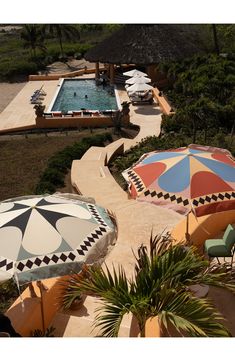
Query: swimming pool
x=77 y=94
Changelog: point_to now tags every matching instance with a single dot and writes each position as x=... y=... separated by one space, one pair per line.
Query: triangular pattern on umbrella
x=196 y=178
x=48 y=236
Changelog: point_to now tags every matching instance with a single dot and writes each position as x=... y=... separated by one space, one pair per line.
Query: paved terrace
x=91 y=177
x=20 y=113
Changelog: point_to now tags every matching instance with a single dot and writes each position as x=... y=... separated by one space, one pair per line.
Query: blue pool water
x=72 y=96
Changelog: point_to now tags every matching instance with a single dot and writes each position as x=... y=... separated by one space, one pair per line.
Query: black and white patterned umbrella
x=49 y=236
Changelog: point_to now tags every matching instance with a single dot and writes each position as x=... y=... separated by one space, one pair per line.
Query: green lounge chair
x=223 y=247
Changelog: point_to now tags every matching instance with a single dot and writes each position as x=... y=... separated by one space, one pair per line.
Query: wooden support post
x=111 y=73
x=97 y=71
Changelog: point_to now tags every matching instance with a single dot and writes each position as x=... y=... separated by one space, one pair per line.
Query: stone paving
x=91 y=177
x=20 y=112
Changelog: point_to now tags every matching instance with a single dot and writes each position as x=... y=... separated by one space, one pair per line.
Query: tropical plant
x=160 y=287
x=39 y=109
x=8 y=293
x=69 y=290
x=117 y=121
x=226 y=35
x=39 y=333
x=33 y=38
x=215 y=37
x=199 y=115
x=62 y=31
x=120 y=117
x=70 y=293
x=202 y=91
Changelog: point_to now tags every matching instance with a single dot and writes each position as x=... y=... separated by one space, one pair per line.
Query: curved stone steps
x=135 y=220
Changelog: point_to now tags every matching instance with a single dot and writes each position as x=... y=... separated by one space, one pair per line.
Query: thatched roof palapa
x=144 y=44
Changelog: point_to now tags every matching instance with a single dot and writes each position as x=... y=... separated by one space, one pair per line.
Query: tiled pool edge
x=59 y=87
x=60 y=83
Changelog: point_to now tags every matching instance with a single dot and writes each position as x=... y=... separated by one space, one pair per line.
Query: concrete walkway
x=91 y=177
x=20 y=113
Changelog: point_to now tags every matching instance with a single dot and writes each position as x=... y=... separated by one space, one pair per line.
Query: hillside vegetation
x=27 y=49
x=202 y=92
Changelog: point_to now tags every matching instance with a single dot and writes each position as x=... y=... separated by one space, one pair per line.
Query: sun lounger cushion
x=57 y=114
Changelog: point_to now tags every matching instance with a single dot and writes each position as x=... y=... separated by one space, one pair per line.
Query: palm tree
x=33 y=38
x=160 y=287
x=215 y=37
x=62 y=31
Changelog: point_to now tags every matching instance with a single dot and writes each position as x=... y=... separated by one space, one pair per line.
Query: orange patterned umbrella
x=197 y=178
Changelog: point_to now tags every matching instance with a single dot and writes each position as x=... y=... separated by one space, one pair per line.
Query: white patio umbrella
x=139 y=87
x=138 y=80
x=51 y=235
x=134 y=73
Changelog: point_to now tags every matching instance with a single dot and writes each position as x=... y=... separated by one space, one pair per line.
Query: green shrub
x=70 y=49
x=202 y=92
x=170 y=123
x=45 y=187
x=59 y=164
x=10 y=68
x=167 y=141
x=54 y=176
x=8 y=293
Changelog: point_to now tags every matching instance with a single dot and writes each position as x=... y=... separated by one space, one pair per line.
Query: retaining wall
x=163 y=104
x=63 y=75
x=74 y=122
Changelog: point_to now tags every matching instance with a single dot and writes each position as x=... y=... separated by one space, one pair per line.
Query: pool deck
x=20 y=113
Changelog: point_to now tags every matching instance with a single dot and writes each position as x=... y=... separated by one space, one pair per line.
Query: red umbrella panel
x=197 y=178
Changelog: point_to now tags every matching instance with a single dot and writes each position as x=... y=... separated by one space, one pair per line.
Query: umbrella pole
x=187 y=235
x=40 y=286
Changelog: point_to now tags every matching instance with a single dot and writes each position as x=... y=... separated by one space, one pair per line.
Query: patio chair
x=223 y=247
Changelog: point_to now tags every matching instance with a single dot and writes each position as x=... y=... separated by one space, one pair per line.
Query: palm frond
x=103 y=283
x=160 y=286
x=191 y=316
x=109 y=320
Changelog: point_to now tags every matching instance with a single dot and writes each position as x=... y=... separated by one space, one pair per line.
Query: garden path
x=91 y=177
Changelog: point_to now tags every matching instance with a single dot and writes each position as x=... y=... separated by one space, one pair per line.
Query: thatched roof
x=144 y=45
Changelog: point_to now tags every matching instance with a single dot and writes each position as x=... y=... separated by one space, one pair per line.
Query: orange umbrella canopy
x=197 y=178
